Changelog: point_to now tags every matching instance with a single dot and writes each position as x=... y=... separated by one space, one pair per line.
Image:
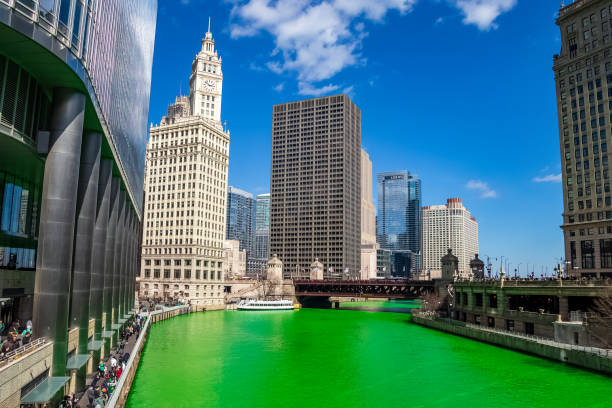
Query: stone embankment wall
x=569 y=355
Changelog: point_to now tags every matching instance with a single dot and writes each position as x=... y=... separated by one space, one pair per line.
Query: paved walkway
x=83 y=402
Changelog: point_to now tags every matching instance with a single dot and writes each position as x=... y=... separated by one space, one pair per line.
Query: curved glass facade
x=110 y=45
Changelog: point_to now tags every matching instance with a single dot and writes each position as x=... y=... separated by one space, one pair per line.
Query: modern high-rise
x=240 y=221
x=583 y=76
x=186 y=192
x=369 y=246
x=399 y=220
x=315 y=185
x=261 y=250
x=448 y=226
x=75 y=81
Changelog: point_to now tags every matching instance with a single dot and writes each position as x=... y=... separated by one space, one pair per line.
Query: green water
x=347 y=359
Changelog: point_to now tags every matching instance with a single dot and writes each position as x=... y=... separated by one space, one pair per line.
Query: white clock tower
x=206 y=81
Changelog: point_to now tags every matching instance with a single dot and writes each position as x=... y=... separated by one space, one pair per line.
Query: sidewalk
x=83 y=402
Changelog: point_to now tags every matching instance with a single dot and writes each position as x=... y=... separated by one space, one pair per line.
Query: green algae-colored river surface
x=346 y=359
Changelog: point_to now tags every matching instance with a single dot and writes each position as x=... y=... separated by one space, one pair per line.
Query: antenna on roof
x=208 y=24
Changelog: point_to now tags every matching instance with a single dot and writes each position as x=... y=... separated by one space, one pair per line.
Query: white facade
x=206 y=81
x=234 y=264
x=185 y=197
x=368 y=220
x=448 y=226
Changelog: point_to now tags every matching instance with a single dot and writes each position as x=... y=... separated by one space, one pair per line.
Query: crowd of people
x=108 y=373
x=14 y=336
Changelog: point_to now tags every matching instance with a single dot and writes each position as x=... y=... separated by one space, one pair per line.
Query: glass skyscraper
x=240 y=221
x=262 y=226
x=399 y=220
x=74 y=101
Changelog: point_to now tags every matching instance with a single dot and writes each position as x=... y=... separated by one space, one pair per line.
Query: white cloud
x=439 y=20
x=483 y=13
x=306 y=88
x=314 y=39
x=482 y=187
x=550 y=178
x=279 y=87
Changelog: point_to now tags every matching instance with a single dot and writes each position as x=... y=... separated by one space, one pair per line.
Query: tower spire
x=208 y=24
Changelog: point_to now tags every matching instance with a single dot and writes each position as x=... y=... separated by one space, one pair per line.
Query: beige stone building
x=315 y=186
x=448 y=226
x=235 y=260
x=185 y=192
x=369 y=247
x=583 y=76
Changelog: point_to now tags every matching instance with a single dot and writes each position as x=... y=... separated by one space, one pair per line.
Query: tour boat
x=266 y=305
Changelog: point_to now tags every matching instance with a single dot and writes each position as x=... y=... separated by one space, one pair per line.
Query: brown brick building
x=315 y=185
x=583 y=75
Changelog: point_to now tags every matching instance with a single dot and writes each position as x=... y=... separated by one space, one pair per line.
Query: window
x=177 y=274
x=147 y=273
x=588 y=254
x=156 y=273
x=166 y=273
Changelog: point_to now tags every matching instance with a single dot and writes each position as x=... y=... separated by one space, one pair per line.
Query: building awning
x=108 y=334
x=45 y=391
x=116 y=326
x=77 y=361
x=128 y=315
x=95 y=345
x=122 y=321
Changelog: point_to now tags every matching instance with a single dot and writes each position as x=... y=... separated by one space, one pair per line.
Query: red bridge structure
x=307 y=290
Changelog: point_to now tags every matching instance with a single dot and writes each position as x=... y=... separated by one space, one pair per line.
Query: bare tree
x=432 y=303
x=600 y=323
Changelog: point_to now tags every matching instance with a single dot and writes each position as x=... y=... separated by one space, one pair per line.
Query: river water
x=346 y=359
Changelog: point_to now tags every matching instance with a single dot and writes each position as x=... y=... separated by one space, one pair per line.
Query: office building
x=448 y=226
x=74 y=97
x=261 y=246
x=399 y=220
x=368 y=221
x=315 y=186
x=186 y=192
x=583 y=77
x=240 y=222
x=235 y=259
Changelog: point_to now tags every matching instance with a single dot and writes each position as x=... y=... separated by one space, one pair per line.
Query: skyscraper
x=368 y=221
x=185 y=188
x=240 y=223
x=71 y=175
x=583 y=76
x=315 y=186
x=448 y=226
x=262 y=234
x=399 y=220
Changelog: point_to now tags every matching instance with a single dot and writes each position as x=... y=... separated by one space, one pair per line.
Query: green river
x=315 y=358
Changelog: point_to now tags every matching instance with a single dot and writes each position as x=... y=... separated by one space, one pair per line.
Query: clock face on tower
x=209 y=85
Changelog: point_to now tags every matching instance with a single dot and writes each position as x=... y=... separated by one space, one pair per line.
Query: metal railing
x=530 y=337
x=544 y=340
x=22 y=351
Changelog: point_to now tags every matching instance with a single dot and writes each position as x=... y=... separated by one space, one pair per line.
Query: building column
x=564 y=308
x=118 y=256
x=109 y=258
x=134 y=262
x=57 y=221
x=87 y=198
x=96 y=291
x=127 y=252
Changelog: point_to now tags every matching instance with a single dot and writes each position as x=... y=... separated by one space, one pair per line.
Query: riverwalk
x=590 y=358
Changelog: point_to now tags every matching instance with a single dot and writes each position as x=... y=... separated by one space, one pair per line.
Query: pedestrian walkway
x=83 y=401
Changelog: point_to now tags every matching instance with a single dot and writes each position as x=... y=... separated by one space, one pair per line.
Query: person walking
x=91 y=395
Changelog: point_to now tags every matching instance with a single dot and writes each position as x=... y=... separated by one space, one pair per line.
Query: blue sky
x=460 y=92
